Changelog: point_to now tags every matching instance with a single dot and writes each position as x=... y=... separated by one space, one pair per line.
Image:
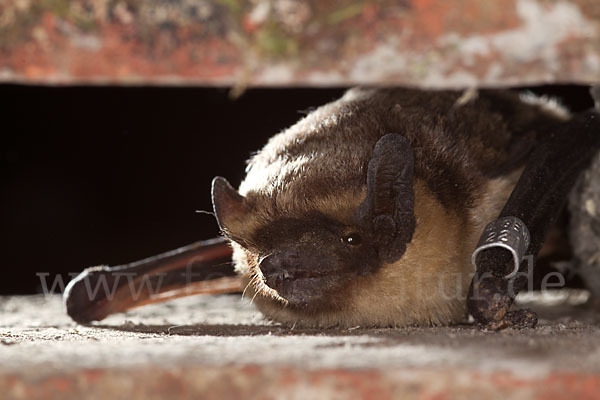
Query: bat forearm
x=537 y=200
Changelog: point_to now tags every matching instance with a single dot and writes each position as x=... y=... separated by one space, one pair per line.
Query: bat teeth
x=285 y=274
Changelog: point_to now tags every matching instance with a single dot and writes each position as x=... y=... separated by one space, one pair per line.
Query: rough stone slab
x=426 y=43
x=219 y=347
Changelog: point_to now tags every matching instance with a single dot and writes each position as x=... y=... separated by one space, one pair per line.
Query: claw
x=518 y=319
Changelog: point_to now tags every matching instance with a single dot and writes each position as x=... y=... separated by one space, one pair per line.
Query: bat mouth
x=306 y=289
x=285 y=276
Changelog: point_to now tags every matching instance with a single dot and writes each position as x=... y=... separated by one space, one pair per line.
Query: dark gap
x=108 y=175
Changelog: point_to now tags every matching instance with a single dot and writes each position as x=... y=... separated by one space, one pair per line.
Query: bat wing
x=200 y=268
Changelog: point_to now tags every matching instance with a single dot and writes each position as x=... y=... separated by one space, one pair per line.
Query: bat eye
x=352 y=239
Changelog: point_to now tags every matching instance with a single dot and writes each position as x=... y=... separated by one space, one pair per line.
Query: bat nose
x=279 y=266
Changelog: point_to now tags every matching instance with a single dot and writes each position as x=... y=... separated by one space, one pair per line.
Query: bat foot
x=518 y=319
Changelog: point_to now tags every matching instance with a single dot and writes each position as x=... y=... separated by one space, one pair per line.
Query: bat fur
x=366 y=211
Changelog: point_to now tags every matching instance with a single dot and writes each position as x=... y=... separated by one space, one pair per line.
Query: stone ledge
x=219 y=347
x=426 y=43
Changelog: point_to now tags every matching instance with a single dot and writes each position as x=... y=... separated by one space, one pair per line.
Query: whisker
x=206 y=212
x=247 y=286
x=253 y=297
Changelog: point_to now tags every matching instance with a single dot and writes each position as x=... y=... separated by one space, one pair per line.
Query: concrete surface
x=426 y=43
x=219 y=347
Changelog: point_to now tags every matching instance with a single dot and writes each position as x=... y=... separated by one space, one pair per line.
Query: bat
x=387 y=207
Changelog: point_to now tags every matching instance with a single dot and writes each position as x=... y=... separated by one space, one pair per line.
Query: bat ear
x=229 y=206
x=388 y=209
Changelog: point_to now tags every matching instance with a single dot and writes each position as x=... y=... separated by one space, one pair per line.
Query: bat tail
x=200 y=268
